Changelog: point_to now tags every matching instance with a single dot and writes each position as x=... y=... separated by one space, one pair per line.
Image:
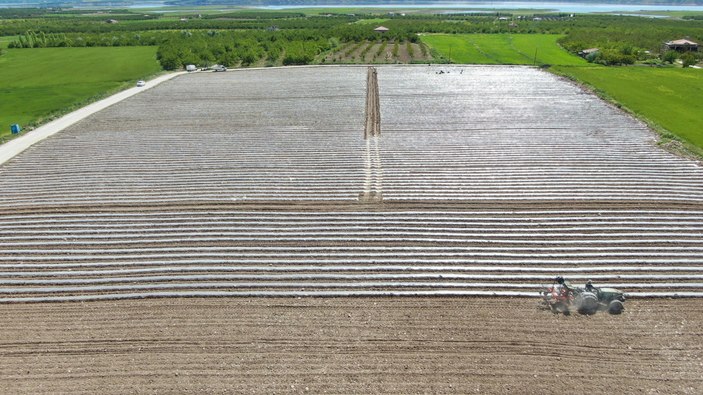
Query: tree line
x=626 y=40
x=242 y=48
x=248 y=37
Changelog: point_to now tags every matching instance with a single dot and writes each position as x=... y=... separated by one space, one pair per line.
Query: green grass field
x=524 y=49
x=670 y=98
x=5 y=40
x=36 y=84
x=373 y=21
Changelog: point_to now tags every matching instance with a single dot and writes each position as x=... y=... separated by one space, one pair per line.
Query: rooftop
x=681 y=42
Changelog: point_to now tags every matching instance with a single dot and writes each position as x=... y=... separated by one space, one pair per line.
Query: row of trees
x=258 y=20
x=582 y=31
x=82 y=25
x=241 y=48
x=244 y=38
x=617 y=57
x=628 y=35
x=176 y=49
x=626 y=40
x=33 y=39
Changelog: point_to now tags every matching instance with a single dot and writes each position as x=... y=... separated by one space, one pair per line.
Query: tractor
x=561 y=297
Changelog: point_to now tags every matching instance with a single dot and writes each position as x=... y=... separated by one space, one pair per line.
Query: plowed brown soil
x=401 y=345
x=328 y=206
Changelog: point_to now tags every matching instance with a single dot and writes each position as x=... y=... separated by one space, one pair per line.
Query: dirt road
x=404 y=345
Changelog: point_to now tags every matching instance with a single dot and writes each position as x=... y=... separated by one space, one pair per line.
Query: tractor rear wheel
x=586 y=303
x=615 y=307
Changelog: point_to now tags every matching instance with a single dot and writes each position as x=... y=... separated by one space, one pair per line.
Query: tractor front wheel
x=586 y=303
x=615 y=307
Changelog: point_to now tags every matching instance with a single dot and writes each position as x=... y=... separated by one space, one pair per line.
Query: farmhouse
x=381 y=29
x=681 y=45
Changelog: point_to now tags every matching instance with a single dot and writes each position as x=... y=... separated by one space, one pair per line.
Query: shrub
x=670 y=56
x=613 y=57
x=688 y=59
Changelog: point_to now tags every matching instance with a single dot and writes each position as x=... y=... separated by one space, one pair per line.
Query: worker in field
x=591 y=288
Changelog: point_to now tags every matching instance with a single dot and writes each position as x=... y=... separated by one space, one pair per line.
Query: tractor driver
x=591 y=288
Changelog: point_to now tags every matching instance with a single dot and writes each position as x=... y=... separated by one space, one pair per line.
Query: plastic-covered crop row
x=484 y=181
x=62 y=257
x=475 y=133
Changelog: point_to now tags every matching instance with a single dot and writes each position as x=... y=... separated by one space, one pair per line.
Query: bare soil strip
x=538 y=206
x=373 y=105
x=379 y=52
x=416 y=345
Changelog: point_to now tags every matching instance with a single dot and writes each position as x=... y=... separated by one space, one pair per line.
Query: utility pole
x=534 y=62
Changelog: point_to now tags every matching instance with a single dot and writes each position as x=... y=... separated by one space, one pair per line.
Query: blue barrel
x=15 y=128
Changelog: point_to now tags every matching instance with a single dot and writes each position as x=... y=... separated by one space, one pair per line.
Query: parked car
x=141 y=83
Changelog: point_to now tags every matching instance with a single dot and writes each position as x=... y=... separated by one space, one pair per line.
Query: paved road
x=16 y=146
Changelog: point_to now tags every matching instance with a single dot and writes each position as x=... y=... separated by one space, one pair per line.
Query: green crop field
x=36 y=84
x=670 y=98
x=501 y=49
